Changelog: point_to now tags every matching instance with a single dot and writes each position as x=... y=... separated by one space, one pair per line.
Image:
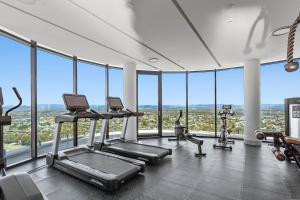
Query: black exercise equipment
x=149 y=153
x=225 y=132
x=18 y=186
x=181 y=133
x=289 y=140
x=290 y=145
x=104 y=170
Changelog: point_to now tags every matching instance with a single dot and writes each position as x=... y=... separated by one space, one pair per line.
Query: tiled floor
x=245 y=173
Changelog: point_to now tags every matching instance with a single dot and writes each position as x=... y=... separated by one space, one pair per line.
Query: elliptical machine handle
x=17 y=93
x=19 y=104
x=1 y=97
x=180 y=113
x=129 y=111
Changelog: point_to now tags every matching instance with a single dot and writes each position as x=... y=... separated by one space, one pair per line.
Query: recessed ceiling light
x=230 y=20
x=281 y=31
x=153 y=60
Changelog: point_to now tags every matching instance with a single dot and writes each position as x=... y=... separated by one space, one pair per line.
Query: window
x=91 y=83
x=201 y=103
x=148 y=103
x=173 y=100
x=54 y=78
x=276 y=85
x=15 y=72
x=230 y=90
x=115 y=90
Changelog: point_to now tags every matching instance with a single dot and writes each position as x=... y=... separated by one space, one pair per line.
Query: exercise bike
x=225 y=132
x=181 y=134
x=18 y=186
x=290 y=145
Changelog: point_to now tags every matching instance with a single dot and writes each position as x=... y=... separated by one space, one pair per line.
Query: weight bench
x=291 y=145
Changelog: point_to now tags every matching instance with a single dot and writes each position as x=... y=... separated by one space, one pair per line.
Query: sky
x=55 y=77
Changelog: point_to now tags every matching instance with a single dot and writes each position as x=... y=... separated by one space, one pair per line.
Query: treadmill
x=102 y=169
x=121 y=146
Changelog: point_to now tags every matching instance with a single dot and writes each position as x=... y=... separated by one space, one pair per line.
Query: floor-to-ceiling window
x=54 y=78
x=91 y=83
x=115 y=80
x=276 y=85
x=201 y=98
x=173 y=100
x=148 y=102
x=230 y=90
x=15 y=72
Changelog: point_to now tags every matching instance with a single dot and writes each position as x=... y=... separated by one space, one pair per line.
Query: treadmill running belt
x=105 y=164
x=140 y=148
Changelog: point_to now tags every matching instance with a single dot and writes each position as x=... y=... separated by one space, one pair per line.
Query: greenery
x=200 y=120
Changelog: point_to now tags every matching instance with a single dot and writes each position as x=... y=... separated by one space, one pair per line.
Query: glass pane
x=173 y=100
x=91 y=82
x=202 y=103
x=230 y=88
x=115 y=90
x=54 y=77
x=272 y=100
x=148 y=103
x=15 y=72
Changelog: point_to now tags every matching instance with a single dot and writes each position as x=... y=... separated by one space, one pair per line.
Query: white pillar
x=129 y=77
x=251 y=100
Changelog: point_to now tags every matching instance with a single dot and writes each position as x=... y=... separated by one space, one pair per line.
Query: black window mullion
x=33 y=47
x=75 y=91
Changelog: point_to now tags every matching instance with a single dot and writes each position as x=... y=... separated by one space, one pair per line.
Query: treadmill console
x=78 y=105
x=115 y=104
x=75 y=102
x=226 y=107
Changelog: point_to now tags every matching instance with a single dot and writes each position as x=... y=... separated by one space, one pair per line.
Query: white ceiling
x=119 y=31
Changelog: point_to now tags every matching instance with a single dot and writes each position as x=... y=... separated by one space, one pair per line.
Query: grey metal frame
x=107 y=89
x=106 y=95
x=215 y=96
x=75 y=91
x=216 y=103
x=187 y=99
x=159 y=101
x=33 y=53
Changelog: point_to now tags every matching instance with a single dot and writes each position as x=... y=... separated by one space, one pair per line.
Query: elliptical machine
x=181 y=133
x=223 y=140
x=18 y=186
x=4 y=121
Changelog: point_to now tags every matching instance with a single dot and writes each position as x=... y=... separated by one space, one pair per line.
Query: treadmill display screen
x=75 y=102
x=296 y=111
x=226 y=107
x=114 y=103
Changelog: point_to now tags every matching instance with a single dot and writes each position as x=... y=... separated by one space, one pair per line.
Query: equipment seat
x=292 y=140
x=19 y=186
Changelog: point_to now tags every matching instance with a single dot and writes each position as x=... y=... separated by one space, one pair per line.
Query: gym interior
x=139 y=99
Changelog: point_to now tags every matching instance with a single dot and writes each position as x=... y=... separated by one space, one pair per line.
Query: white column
x=251 y=100
x=129 y=77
